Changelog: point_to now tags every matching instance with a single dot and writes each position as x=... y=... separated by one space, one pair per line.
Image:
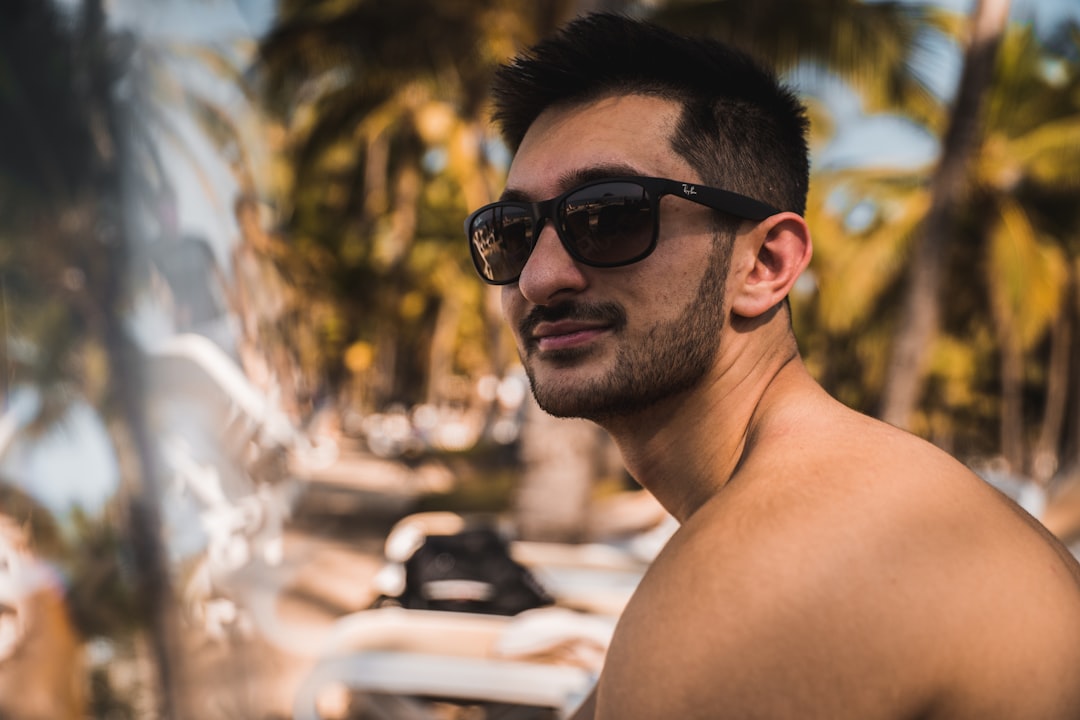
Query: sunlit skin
x=828 y=565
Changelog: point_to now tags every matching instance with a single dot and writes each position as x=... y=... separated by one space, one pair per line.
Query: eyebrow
x=574 y=178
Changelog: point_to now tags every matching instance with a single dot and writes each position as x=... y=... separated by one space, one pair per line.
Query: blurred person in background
x=42 y=657
x=827 y=565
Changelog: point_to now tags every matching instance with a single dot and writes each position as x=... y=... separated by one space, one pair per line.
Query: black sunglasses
x=603 y=223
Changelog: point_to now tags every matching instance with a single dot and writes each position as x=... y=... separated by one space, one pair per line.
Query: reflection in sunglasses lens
x=501 y=240
x=609 y=223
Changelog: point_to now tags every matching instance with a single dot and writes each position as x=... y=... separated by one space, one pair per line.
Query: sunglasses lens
x=501 y=239
x=606 y=224
x=609 y=223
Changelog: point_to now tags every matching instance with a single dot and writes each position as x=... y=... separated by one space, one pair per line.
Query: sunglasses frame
x=655 y=188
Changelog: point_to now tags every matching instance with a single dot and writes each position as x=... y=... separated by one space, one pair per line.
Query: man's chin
x=564 y=407
x=558 y=392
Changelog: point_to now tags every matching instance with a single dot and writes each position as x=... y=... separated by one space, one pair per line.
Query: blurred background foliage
x=944 y=294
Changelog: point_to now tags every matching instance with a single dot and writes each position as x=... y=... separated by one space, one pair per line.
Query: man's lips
x=570 y=325
x=548 y=336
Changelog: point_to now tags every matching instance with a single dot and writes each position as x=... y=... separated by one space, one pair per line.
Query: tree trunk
x=559 y=465
x=1070 y=451
x=1045 y=459
x=921 y=314
x=109 y=118
x=1012 y=408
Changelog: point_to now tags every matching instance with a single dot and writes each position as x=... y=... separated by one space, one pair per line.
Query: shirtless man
x=827 y=565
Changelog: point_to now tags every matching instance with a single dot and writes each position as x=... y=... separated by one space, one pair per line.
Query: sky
x=202 y=20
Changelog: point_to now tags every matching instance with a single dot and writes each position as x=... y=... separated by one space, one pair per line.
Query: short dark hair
x=740 y=128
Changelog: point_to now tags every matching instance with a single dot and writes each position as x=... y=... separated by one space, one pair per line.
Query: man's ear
x=781 y=250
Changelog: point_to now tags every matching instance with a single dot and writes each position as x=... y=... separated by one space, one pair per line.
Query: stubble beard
x=671 y=359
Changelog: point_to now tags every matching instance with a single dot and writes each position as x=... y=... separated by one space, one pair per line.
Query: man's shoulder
x=881 y=518
x=804 y=573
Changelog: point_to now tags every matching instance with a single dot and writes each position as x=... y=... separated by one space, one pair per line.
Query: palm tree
x=863 y=220
x=384 y=110
x=1023 y=184
x=65 y=241
x=921 y=316
x=1001 y=361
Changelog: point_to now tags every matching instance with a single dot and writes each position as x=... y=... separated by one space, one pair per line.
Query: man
x=827 y=565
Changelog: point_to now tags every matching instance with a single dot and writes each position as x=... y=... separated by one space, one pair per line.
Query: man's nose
x=550 y=272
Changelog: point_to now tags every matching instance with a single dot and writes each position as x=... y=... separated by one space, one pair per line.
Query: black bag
x=471 y=571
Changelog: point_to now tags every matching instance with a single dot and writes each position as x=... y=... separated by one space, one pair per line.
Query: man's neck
x=686 y=448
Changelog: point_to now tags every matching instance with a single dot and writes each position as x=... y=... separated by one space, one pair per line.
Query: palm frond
x=1028 y=275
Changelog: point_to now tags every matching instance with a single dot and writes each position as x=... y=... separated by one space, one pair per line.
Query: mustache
x=608 y=313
